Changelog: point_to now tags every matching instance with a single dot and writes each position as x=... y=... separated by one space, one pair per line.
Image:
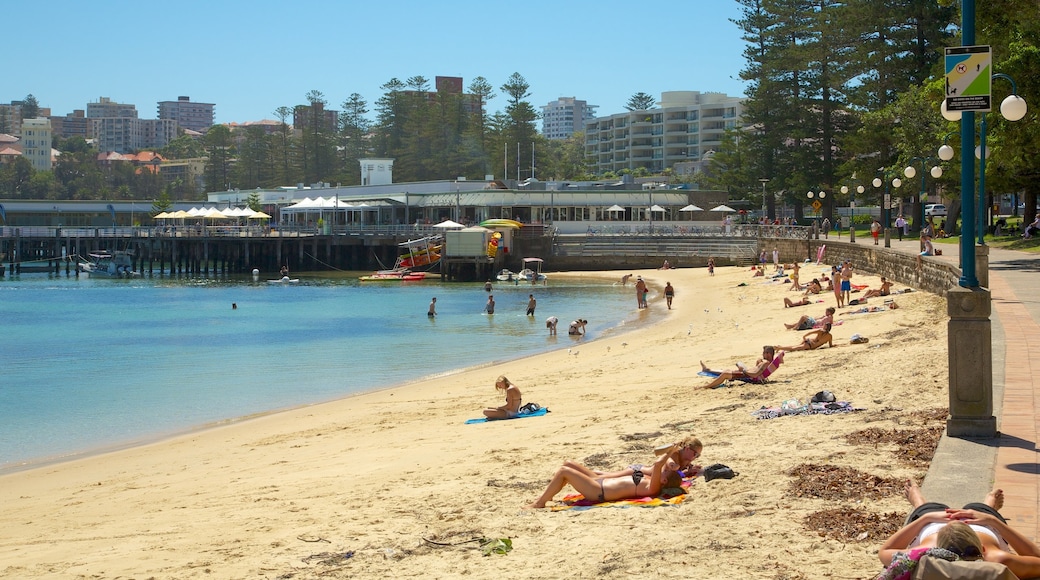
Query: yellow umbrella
x=259 y=216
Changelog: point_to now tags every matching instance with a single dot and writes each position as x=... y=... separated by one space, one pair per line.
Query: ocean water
x=94 y=363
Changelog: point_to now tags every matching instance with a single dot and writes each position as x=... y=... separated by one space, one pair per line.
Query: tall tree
x=283 y=151
x=521 y=131
x=354 y=131
x=220 y=155
x=640 y=102
x=30 y=107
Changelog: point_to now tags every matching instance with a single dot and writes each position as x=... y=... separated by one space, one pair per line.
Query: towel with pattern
x=795 y=407
x=576 y=501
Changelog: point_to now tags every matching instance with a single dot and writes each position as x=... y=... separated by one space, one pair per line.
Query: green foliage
x=640 y=102
x=163 y=203
x=500 y=546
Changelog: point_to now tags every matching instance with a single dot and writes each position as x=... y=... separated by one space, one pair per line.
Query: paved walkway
x=964 y=470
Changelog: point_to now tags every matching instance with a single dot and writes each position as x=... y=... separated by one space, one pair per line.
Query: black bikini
x=637 y=476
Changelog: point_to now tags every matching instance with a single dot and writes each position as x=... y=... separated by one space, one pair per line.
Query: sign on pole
x=968 y=78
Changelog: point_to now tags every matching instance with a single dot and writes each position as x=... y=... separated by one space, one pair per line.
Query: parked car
x=935 y=209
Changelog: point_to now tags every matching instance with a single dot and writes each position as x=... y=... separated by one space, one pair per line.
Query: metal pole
x=968 y=278
x=982 y=182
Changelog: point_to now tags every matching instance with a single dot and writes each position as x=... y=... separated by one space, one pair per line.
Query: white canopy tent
x=723 y=208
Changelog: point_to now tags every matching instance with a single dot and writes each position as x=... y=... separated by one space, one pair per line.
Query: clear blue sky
x=252 y=57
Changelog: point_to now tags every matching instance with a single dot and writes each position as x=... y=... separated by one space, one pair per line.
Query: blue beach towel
x=537 y=413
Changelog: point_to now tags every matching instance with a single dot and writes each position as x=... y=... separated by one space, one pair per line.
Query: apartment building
x=684 y=127
x=73 y=124
x=36 y=143
x=116 y=127
x=564 y=116
x=11 y=117
x=193 y=116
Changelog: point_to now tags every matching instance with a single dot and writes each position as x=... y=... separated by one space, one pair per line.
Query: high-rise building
x=73 y=124
x=194 y=116
x=11 y=117
x=685 y=127
x=116 y=127
x=565 y=116
x=36 y=142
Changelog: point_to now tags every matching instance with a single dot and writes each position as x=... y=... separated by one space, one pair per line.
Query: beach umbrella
x=615 y=208
x=161 y=216
x=656 y=207
x=691 y=207
x=213 y=214
x=723 y=208
x=259 y=215
x=449 y=224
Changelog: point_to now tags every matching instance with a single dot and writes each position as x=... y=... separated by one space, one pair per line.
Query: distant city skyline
x=251 y=58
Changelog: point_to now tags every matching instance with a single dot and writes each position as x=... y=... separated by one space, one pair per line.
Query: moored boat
x=532 y=271
x=117 y=264
x=506 y=275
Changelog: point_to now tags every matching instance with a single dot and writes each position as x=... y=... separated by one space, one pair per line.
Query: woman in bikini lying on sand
x=626 y=484
x=975 y=532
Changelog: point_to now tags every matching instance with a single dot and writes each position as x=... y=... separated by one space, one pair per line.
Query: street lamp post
x=886 y=201
x=910 y=172
x=1013 y=108
x=764 y=181
x=852 y=209
x=816 y=209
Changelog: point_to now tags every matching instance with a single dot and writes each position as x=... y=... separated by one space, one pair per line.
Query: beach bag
x=824 y=397
x=530 y=408
x=718 y=471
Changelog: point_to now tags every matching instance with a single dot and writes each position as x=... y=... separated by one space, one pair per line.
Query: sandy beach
x=395 y=484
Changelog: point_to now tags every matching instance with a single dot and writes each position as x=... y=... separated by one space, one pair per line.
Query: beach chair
x=939 y=569
x=774 y=364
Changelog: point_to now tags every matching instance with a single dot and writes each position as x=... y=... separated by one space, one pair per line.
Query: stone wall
x=923 y=273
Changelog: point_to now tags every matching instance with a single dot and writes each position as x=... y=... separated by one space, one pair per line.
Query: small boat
x=501 y=223
x=394 y=275
x=422 y=252
x=284 y=280
x=506 y=275
x=117 y=264
x=530 y=274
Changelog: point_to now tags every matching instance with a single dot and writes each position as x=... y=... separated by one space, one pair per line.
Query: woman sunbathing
x=606 y=488
x=975 y=532
x=690 y=449
x=813 y=340
x=764 y=367
x=807 y=322
x=512 y=407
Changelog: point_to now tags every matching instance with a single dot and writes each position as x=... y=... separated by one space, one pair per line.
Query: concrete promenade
x=965 y=470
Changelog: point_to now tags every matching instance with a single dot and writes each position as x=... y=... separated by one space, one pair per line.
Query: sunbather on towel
x=763 y=367
x=884 y=290
x=690 y=449
x=601 y=489
x=813 y=340
x=512 y=407
x=975 y=532
x=807 y=322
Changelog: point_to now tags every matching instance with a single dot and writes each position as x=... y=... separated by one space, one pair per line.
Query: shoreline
x=379 y=475
x=629 y=324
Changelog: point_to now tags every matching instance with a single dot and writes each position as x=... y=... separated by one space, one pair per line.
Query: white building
x=685 y=126
x=564 y=116
x=377 y=171
x=36 y=143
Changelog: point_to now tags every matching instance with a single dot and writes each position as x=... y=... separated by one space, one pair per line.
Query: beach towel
x=577 y=502
x=522 y=415
x=794 y=407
